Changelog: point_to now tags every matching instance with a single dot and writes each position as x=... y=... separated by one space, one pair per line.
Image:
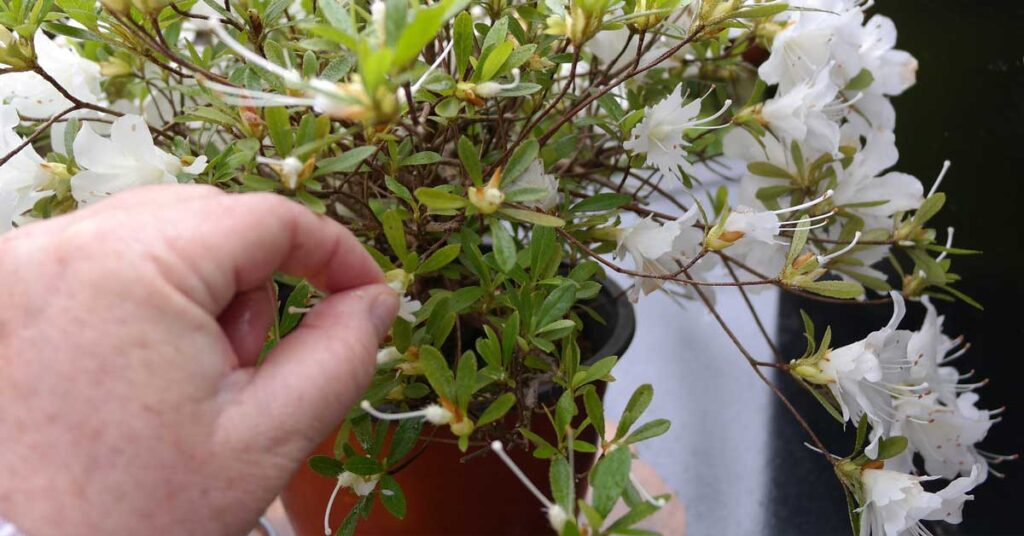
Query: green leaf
x=563 y=486
x=556 y=304
x=765 y=169
x=420 y=159
x=470 y=157
x=831 y=409
x=530 y=216
x=497 y=409
x=595 y=411
x=521 y=158
x=597 y=371
x=280 y=129
x=400 y=190
x=634 y=408
x=347 y=162
x=463 y=42
x=862 y=433
x=495 y=60
x=799 y=241
x=504 y=247
x=930 y=207
x=440 y=258
x=509 y=335
x=437 y=372
x=392 y=497
x=326 y=465
x=394 y=231
x=891 y=446
x=363 y=466
x=608 y=479
x=835 y=289
x=419 y=33
x=436 y=199
x=465 y=379
x=758 y=11
x=860 y=82
x=601 y=202
x=565 y=410
x=638 y=513
x=496 y=35
x=647 y=431
x=404 y=439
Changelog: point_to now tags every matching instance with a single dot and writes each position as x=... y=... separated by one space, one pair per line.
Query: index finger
x=233 y=243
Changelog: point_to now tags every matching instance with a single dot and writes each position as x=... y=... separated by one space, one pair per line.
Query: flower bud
x=6 y=37
x=115 y=67
x=117 y=6
x=488 y=198
x=812 y=374
x=398 y=279
x=462 y=428
x=388 y=355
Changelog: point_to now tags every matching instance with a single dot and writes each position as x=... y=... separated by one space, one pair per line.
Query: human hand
x=130 y=402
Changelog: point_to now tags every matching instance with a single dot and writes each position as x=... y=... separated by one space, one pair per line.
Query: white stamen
x=822 y=259
x=499 y=449
x=846 y=104
x=725 y=107
x=433 y=414
x=815 y=226
x=415 y=87
x=808 y=204
x=644 y=494
x=938 y=181
x=218 y=28
x=949 y=244
x=330 y=504
x=821 y=217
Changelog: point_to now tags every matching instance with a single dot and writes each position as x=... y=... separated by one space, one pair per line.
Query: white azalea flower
x=8 y=210
x=23 y=177
x=657 y=248
x=128 y=159
x=893 y=70
x=752 y=236
x=810 y=40
x=802 y=113
x=534 y=177
x=860 y=375
x=928 y=350
x=863 y=189
x=945 y=436
x=661 y=133
x=895 y=502
x=33 y=96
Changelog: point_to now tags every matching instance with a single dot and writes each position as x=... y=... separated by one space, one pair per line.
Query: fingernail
x=383 y=310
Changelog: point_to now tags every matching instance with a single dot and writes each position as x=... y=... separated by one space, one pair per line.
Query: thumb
x=315 y=374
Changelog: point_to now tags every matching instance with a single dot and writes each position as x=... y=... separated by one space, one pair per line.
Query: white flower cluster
x=102 y=166
x=826 y=134
x=900 y=381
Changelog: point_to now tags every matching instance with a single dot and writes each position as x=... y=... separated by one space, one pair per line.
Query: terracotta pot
x=445 y=496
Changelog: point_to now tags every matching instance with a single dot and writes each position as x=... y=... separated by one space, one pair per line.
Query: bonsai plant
x=497 y=159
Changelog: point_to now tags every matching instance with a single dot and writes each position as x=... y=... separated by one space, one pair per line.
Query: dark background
x=968 y=107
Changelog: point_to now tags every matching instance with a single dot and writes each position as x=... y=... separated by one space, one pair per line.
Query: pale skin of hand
x=130 y=402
